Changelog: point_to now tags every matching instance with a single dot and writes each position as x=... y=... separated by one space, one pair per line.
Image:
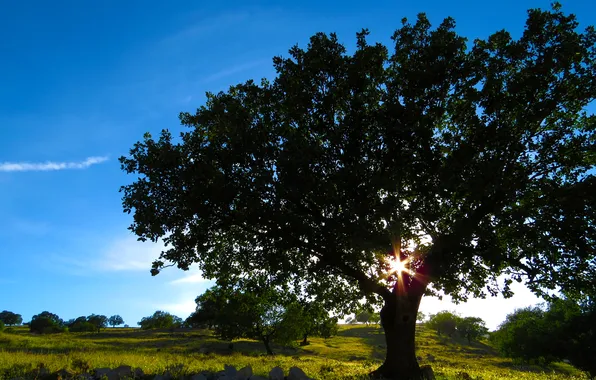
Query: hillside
x=355 y=351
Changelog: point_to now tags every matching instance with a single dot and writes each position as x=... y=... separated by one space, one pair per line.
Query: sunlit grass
x=354 y=352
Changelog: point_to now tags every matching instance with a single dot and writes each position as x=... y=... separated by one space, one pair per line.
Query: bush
x=46 y=323
x=444 y=322
x=82 y=327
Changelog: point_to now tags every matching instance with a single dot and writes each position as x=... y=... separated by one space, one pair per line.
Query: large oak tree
x=464 y=160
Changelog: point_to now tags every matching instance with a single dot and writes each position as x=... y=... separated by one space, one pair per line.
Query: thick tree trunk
x=398 y=318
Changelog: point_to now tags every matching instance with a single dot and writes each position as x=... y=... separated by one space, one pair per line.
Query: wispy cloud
x=182 y=308
x=236 y=69
x=49 y=165
x=190 y=279
x=128 y=254
x=123 y=254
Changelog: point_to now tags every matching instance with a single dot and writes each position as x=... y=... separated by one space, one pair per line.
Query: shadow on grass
x=372 y=336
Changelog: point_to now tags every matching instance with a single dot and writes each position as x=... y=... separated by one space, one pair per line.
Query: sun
x=398 y=266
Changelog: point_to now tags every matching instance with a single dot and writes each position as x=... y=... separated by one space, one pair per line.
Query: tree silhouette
x=434 y=168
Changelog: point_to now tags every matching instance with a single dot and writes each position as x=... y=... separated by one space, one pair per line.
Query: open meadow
x=354 y=352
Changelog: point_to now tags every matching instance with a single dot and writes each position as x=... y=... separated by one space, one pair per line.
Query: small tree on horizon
x=160 y=320
x=434 y=165
x=10 y=319
x=115 y=320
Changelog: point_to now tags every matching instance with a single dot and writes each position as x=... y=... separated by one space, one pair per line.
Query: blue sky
x=81 y=81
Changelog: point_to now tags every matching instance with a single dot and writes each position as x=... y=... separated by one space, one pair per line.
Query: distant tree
x=471 y=327
x=115 y=320
x=465 y=160
x=208 y=306
x=46 y=323
x=526 y=335
x=99 y=321
x=375 y=318
x=444 y=322
x=80 y=324
x=254 y=309
x=315 y=321
x=420 y=317
x=160 y=320
x=10 y=319
x=363 y=316
x=563 y=329
x=581 y=347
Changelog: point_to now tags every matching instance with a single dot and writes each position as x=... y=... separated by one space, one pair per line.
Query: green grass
x=356 y=351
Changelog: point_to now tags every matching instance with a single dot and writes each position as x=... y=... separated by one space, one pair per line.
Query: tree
x=363 y=316
x=99 y=321
x=472 y=328
x=437 y=167
x=315 y=321
x=255 y=309
x=562 y=330
x=1 y=325
x=9 y=318
x=375 y=318
x=160 y=320
x=80 y=324
x=445 y=322
x=420 y=317
x=208 y=306
x=46 y=323
x=115 y=320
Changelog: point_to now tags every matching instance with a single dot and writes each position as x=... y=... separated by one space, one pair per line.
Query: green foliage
x=420 y=316
x=10 y=319
x=561 y=331
x=472 y=328
x=444 y=322
x=363 y=316
x=99 y=321
x=46 y=323
x=375 y=318
x=115 y=320
x=81 y=325
x=257 y=309
x=486 y=147
x=1 y=326
x=314 y=320
x=160 y=320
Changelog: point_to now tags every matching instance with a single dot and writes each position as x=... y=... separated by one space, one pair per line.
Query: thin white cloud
x=236 y=69
x=128 y=254
x=182 y=308
x=195 y=278
x=49 y=165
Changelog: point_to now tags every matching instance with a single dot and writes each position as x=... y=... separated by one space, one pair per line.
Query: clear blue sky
x=81 y=81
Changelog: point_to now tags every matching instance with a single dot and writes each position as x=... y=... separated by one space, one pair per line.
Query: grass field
x=354 y=352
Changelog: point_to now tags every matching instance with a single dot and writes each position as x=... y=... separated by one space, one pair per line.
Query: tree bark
x=398 y=318
x=267 y=346
x=305 y=341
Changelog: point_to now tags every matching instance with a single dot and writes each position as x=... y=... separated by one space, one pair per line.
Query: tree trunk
x=398 y=318
x=305 y=341
x=267 y=346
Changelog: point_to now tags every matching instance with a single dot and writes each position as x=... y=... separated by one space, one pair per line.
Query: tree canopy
x=258 y=309
x=563 y=329
x=160 y=320
x=465 y=160
x=9 y=318
x=115 y=320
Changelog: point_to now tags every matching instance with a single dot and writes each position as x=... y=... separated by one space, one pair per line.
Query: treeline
x=562 y=330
